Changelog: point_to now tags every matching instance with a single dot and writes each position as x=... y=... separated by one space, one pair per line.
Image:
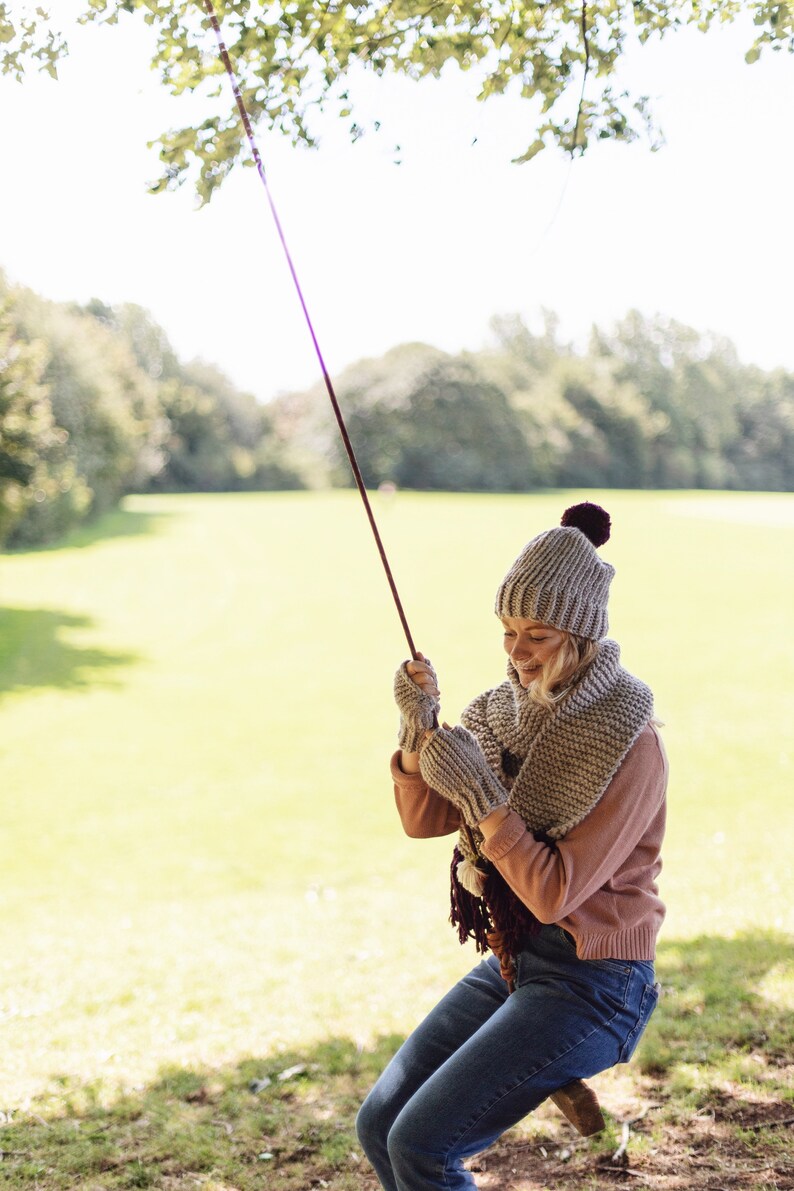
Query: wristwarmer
x=452 y=762
x=417 y=710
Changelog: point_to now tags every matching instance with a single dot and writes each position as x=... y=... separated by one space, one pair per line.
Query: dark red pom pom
x=593 y=521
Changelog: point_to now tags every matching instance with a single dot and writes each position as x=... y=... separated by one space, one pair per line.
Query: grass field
x=203 y=881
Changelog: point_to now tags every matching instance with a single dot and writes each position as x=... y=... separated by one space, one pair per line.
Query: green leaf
x=531 y=152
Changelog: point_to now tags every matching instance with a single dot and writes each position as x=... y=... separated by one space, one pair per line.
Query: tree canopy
x=296 y=59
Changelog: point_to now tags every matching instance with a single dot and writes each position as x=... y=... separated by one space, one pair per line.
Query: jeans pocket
x=650 y=996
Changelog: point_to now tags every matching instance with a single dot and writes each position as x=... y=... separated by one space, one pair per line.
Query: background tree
x=211 y=437
x=94 y=403
x=417 y=417
x=762 y=453
x=693 y=384
x=35 y=470
x=296 y=59
x=99 y=396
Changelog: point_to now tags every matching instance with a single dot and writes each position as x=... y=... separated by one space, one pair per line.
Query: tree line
x=650 y=403
x=94 y=403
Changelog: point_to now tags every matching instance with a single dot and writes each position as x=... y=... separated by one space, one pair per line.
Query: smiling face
x=530 y=644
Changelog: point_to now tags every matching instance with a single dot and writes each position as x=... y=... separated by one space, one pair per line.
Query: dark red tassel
x=497 y=910
x=511 y=918
x=467 y=912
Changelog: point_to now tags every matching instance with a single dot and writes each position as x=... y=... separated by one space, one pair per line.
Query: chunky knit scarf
x=555 y=763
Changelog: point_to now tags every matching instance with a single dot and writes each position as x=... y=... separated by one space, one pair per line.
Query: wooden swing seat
x=579 y=1104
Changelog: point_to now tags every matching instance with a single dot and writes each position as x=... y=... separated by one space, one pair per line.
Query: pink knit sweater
x=600 y=883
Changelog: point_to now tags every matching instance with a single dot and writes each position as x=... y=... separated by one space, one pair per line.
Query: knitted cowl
x=556 y=763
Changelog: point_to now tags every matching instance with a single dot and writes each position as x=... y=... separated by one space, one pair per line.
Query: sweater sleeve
x=620 y=836
x=424 y=813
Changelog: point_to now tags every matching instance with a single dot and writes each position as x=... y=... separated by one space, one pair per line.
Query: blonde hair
x=565 y=667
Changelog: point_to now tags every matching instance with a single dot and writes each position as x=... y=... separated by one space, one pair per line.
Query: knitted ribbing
x=567 y=755
x=452 y=762
x=559 y=579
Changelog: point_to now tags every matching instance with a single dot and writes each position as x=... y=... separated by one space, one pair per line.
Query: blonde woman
x=555 y=782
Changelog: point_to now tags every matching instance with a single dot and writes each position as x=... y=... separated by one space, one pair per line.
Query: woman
x=556 y=783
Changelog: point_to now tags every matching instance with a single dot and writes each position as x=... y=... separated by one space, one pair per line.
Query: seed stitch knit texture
x=565 y=756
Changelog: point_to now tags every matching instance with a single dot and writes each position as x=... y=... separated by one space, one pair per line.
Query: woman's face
x=529 y=644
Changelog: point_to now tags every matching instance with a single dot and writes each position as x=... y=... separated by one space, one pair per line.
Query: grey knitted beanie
x=559 y=579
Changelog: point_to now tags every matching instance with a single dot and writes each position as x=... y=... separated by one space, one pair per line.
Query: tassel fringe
x=497 y=912
x=468 y=912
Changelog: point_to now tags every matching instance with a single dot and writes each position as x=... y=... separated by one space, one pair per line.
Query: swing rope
x=576 y=1100
x=249 y=132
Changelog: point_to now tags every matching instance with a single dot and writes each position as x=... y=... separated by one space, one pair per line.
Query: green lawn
x=201 y=869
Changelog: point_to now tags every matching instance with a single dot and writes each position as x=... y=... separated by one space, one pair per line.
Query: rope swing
x=575 y=1100
x=249 y=132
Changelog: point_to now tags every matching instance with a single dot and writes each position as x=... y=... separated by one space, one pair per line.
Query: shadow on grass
x=34 y=653
x=722 y=996
x=286 y=1121
x=287 y=1117
x=119 y=523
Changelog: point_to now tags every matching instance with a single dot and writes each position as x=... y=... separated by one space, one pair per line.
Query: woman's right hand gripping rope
x=417 y=696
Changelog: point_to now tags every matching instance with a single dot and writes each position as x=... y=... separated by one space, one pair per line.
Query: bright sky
x=428 y=249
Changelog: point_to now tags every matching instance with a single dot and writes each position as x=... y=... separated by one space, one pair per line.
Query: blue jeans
x=482 y=1059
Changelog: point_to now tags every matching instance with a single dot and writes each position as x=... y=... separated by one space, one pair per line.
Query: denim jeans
x=482 y=1059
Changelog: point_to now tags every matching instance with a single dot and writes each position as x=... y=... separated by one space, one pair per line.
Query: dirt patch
x=730 y=1144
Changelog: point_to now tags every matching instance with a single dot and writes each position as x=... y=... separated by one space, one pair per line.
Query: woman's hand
x=452 y=762
x=422 y=673
x=417 y=695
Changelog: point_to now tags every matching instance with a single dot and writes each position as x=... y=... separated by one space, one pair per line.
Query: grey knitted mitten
x=416 y=709
x=453 y=763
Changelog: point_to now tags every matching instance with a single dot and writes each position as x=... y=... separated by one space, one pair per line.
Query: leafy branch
x=294 y=60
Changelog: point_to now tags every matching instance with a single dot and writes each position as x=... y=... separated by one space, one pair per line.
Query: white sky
x=429 y=249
